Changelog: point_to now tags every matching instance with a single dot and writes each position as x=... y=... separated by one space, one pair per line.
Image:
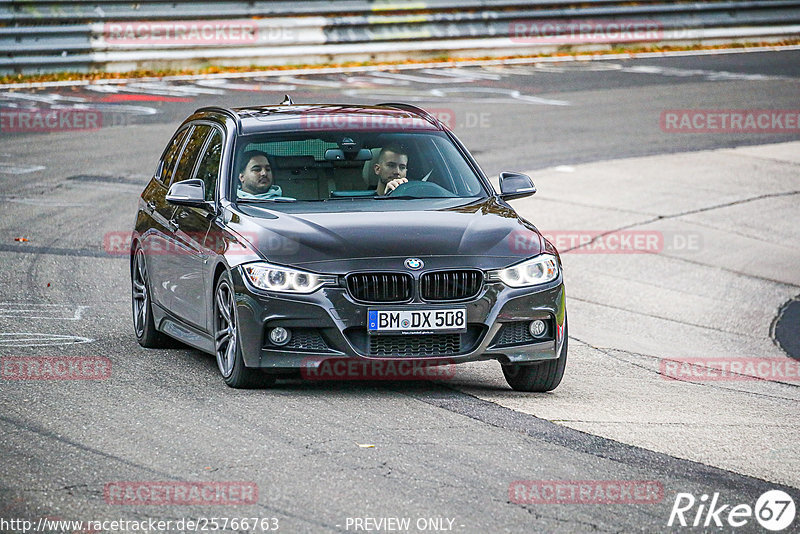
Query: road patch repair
x=649 y=309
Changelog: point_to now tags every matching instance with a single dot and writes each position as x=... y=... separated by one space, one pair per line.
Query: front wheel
x=227 y=343
x=538 y=377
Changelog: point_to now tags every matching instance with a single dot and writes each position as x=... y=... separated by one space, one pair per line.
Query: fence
x=112 y=35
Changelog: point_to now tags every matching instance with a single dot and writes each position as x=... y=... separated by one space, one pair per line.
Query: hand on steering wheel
x=391 y=186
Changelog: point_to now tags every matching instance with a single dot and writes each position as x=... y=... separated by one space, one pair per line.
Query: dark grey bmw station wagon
x=276 y=236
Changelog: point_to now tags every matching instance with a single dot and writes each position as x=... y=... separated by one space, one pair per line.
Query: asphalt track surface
x=322 y=454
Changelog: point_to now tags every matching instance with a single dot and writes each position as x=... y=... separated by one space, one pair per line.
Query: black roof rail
x=225 y=111
x=415 y=109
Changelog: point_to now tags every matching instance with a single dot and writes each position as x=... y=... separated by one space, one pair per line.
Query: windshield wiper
x=260 y=200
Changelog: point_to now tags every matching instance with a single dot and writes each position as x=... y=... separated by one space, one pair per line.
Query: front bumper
x=329 y=324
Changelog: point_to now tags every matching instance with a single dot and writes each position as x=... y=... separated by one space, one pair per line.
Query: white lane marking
x=301 y=81
x=170 y=89
x=437 y=79
x=112 y=108
x=576 y=67
x=231 y=86
x=104 y=88
x=6 y=168
x=497 y=95
x=511 y=93
x=56 y=101
x=711 y=75
x=155 y=88
x=371 y=80
x=33 y=310
x=37 y=339
x=433 y=65
x=464 y=73
x=45 y=98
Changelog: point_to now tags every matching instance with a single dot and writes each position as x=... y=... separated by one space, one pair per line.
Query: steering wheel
x=421 y=190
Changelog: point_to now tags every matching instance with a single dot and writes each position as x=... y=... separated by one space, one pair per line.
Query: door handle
x=172 y=225
x=151 y=206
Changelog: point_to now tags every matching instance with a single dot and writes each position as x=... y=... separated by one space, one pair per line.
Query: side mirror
x=189 y=193
x=515 y=185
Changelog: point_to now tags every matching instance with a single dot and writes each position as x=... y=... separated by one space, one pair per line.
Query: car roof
x=328 y=117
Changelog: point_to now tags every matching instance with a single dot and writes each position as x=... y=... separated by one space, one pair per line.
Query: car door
x=173 y=266
x=158 y=236
x=192 y=226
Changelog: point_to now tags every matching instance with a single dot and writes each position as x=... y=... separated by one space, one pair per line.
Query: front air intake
x=450 y=285
x=380 y=287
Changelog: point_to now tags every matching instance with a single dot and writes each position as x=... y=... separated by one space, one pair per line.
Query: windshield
x=340 y=166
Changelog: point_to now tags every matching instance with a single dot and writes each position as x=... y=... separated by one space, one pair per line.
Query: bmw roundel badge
x=415 y=264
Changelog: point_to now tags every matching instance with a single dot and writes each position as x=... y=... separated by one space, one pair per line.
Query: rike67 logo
x=774 y=511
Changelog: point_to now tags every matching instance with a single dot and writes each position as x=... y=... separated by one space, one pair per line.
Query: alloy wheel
x=225 y=335
x=141 y=297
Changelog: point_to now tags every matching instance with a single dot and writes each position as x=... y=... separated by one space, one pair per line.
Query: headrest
x=368 y=173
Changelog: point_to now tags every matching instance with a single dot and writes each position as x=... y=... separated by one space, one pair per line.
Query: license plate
x=417 y=321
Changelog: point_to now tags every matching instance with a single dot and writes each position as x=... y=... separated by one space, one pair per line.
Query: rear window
x=190 y=153
x=167 y=165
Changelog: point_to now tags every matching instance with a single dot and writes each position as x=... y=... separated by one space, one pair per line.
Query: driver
x=391 y=168
x=255 y=176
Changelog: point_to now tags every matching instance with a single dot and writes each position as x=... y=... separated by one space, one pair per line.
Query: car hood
x=485 y=234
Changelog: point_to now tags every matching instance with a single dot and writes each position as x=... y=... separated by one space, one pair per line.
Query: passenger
x=391 y=168
x=255 y=176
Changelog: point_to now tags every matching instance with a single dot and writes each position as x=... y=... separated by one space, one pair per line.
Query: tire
x=227 y=348
x=141 y=305
x=538 y=377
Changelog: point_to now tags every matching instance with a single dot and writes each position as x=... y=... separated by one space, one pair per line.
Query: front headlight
x=538 y=270
x=270 y=277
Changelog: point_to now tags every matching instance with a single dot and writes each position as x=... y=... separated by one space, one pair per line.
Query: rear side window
x=209 y=164
x=190 y=153
x=168 y=163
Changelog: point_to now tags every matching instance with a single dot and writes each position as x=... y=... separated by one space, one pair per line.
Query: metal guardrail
x=35 y=35
x=95 y=10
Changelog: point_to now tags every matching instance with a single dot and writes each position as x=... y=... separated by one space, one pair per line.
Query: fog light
x=279 y=336
x=537 y=328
